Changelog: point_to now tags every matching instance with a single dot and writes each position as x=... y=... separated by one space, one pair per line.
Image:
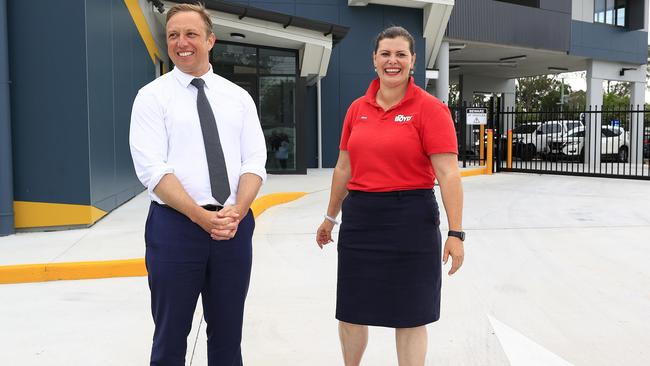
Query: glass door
x=277 y=111
x=270 y=76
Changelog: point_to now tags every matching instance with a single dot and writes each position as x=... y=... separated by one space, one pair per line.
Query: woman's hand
x=453 y=247
x=324 y=233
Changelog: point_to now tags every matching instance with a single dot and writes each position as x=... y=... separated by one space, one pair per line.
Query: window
x=580 y=133
x=270 y=75
x=531 y=3
x=610 y=12
x=525 y=129
x=549 y=128
x=607 y=132
x=572 y=125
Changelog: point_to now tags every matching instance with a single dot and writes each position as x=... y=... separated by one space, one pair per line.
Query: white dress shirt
x=166 y=137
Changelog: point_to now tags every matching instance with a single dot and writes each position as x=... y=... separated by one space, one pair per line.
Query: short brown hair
x=197 y=8
x=394 y=32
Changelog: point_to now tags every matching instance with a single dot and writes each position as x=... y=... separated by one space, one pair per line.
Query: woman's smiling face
x=393 y=60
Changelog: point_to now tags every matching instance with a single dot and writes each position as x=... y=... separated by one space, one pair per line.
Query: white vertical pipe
x=442 y=63
x=637 y=99
x=320 y=125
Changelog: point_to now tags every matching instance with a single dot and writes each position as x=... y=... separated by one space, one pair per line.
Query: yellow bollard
x=488 y=163
x=481 y=145
x=509 y=161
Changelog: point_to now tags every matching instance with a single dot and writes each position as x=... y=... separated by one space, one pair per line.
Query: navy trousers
x=183 y=262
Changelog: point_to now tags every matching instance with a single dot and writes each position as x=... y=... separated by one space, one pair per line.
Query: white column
x=593 y=121
x=442 y=64
x=637 y=99
x=508 y=101
x=320 y=124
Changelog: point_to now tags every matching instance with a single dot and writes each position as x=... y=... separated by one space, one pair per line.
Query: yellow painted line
x=143 y=28
x=473 y=172
x=43 y=214
x=261 y=204
x=72 y=271
x=115 y=268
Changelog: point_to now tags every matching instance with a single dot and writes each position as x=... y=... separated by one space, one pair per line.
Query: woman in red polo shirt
x=396 y=140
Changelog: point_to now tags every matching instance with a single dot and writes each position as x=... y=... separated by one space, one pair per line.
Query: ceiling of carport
x=537 y=62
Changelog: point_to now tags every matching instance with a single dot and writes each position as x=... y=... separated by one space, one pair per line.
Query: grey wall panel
x=133 y=69
x=100 y=98
x=118 y=65
x=504 y=23
x=286 y=7
x=325 y=13
x=563 y=6
x=48 y=104
x=357 y=46
x=608 y=43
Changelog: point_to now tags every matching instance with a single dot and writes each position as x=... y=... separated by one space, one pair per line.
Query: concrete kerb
x=132 y=267
x=113 y=268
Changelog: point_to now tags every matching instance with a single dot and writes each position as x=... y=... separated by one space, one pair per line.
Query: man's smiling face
x=188 y=43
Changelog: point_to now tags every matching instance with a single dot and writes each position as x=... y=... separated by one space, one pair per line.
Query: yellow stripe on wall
x=143 y=29
x=42 y=214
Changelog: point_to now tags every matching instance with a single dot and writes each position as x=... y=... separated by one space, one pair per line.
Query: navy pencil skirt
x=389 y=259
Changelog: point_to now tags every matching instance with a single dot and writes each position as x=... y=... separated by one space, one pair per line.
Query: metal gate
x=589 y=142
x=593 y=142
x=472 y=137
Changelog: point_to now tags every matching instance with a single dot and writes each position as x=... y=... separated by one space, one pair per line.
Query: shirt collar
x=186 y=79
x=371 y=93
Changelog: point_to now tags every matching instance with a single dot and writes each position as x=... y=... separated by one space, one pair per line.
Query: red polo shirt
x=389 y=150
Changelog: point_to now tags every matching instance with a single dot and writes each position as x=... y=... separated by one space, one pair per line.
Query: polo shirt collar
x=371 y=93
x=186 y=79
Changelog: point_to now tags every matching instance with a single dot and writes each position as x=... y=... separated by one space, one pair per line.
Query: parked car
x=615 y=142
x=531 y=139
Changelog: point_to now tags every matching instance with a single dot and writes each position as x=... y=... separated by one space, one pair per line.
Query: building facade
x=65 y=108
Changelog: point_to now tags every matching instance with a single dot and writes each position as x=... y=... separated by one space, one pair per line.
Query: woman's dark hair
x=394 y=32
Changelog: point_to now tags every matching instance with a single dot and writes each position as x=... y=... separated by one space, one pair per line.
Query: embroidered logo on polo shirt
x=364 y=117
x=402 y=118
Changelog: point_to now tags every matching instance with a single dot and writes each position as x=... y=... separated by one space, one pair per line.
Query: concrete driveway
x=556 y=273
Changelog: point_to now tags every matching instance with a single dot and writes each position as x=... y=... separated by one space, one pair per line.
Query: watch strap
x=457 y=234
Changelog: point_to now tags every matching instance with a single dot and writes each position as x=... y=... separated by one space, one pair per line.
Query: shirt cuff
x=260 y=172
x=156 y=177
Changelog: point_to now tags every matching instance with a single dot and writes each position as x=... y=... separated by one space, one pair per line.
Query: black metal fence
x=472 y=138
x=591 y=142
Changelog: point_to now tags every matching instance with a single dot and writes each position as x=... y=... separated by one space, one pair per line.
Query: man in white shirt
x=202 y=181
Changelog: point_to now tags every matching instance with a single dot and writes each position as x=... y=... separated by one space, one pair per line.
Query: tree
x=617 y=96
x=539 y=93
x=577 y=100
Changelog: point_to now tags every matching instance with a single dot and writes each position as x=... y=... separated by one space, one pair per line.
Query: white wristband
x=331 y=219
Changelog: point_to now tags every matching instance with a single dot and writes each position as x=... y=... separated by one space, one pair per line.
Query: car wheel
x=528 y=152
x=582 y=155
x=622 y=154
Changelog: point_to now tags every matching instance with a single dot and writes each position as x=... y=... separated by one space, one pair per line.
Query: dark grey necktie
x=213 y=152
